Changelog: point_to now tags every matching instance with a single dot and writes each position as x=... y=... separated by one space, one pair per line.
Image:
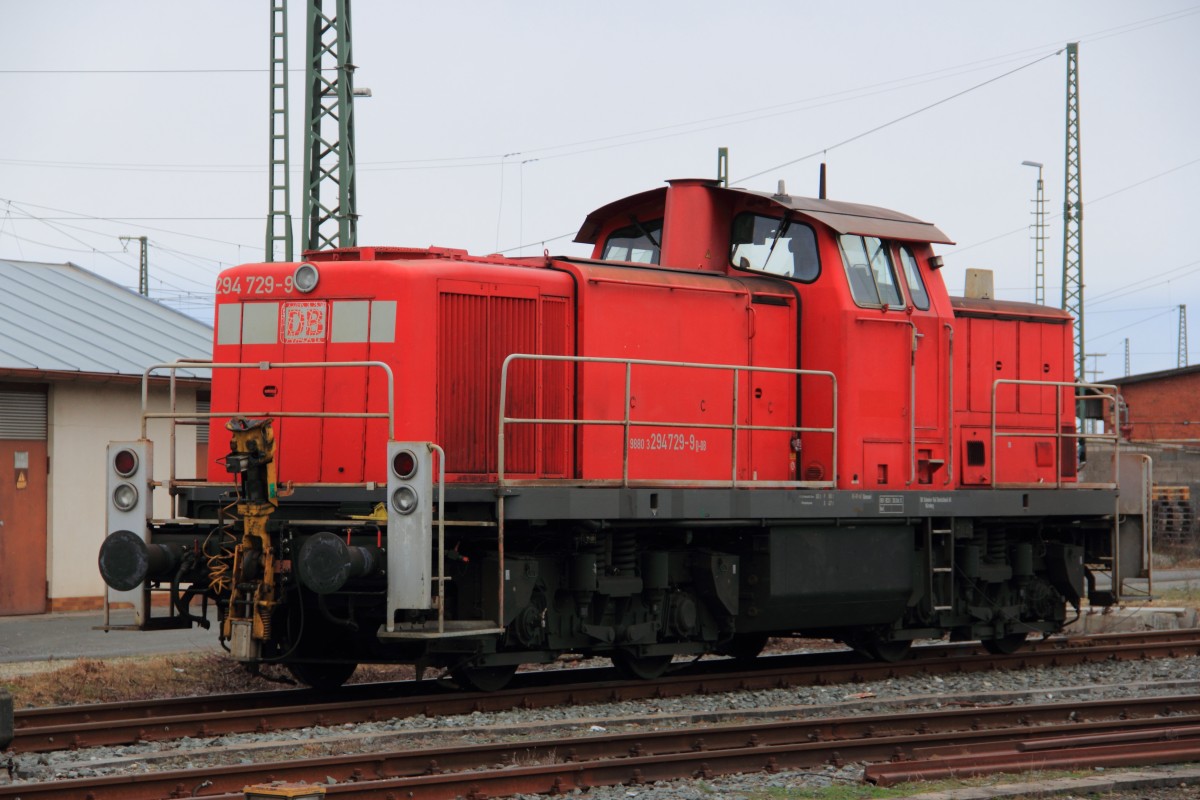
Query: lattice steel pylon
x=1072 y=286
x=330 y=210
x=279 y=213
x=1181 y=355
x=1039 y=236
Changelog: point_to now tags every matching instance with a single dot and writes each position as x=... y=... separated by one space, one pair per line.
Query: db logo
x=302 y=322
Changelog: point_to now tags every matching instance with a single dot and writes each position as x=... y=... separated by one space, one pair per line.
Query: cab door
x=930 y=360
x=772 y=336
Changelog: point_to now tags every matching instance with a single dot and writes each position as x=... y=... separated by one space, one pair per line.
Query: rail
x=1093 y=392
x=627 y=423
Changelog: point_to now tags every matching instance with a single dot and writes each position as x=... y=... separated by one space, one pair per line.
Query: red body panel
x=657 y=315
x=1013 y=341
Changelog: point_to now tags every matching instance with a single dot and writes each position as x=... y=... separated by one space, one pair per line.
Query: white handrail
x=626 y=422
x=1057 y=433
x=180 y=416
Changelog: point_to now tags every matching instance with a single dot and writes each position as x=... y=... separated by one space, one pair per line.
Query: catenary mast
x=1072 y=286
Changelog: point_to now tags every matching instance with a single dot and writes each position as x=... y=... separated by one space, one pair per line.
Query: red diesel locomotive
x=746 y=415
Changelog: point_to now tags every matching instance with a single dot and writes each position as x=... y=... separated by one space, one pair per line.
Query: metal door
x=772 y=394
x=23 y=477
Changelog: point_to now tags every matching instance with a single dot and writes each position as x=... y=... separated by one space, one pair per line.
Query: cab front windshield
x=778 y=246
x=640 y=243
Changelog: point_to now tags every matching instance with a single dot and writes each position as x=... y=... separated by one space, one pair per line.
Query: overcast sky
x=500 y=124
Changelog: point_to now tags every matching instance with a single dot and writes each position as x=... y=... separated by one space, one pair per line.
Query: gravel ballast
x=1108 y=680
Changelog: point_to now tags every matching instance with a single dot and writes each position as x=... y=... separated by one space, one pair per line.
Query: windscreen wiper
x=642 y=229
x=787 y=223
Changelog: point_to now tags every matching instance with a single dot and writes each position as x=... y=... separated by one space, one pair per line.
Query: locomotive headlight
x=404 y=499
x=305 y=278
x=125 y=462
x=125 y=496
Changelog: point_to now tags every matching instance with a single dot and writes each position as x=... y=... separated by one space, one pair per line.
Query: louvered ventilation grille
x=23 y=415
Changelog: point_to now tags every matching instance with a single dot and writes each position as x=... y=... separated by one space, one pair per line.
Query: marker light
x=125 y=496
x=305 y=278
x=404 y=464
x=125 y=462
x=404 y=499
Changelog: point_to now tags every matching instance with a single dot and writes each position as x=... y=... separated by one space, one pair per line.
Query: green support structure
x=330 y=211
x=1072 y=287
x=279 y=214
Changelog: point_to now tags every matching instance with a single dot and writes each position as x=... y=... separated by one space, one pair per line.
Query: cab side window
x=641 y=244
x=912 y=276
x=776 y=246
x=869 y=269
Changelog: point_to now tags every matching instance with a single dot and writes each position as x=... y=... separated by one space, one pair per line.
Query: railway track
x=900 y=747
x=68 y=727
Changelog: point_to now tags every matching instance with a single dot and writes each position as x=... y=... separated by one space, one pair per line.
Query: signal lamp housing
x=409 y=526
x=127 y=559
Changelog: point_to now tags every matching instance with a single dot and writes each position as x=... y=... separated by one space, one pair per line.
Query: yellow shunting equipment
x=253 y=600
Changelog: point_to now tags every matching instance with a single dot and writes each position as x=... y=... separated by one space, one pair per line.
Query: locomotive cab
x=869 y=304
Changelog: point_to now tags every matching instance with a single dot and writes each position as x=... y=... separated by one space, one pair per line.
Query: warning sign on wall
x=21 y=465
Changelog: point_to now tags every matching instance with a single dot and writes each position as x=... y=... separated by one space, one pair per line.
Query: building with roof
x=1163 y=406
x=1162 y=421
x=73 y=348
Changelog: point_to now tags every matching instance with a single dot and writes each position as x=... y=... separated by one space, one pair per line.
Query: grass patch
x=1178 y=596
x=116 y=680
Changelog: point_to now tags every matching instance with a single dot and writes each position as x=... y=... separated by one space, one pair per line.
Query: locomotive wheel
x=888 y=651
x=1004 y=645
x=744 y=647
x=483 y=679
x=322 y=676
x=639 y=668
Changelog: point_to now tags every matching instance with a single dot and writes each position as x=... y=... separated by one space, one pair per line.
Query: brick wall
x=1166 y=409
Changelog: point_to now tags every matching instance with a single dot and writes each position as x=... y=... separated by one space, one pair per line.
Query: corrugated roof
x=62 y=318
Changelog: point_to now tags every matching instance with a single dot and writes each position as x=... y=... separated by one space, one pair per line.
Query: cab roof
x=842 y=217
